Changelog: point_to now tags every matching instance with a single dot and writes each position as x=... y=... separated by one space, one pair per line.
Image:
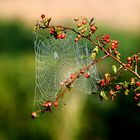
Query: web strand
x=55 y=60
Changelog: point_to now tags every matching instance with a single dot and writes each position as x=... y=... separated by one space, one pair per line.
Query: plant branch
x=78 y=75
x=113 y=57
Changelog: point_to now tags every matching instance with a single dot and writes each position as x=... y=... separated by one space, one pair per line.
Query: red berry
x=55 y=103
x=79 y=25
x=112 y=92
x=42 y=16
x=52 y=30
x=129 y=58
x=63 y=36
x=115 y=41
x=45 y=104
x=113 y=44
x=135 y=98
x=106 y=36
x=76 y=19
x=118 y=87
x=112 y=47
x=102 y=83
x=93 y=28
x=107 y=81
x=138 y=83
x=84 y=22
x=86 y=75
x=78 y=36
x=116 y=52
x=137 y=94
x=34 y=115
x=136 y=56
x=72 y=76
x=50 y=104
x=76 y=39
x=59 y=36
x=107 y=40
x=128 y=64
x=82 y=71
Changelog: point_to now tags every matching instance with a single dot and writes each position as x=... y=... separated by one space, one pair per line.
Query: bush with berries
x=109 y=88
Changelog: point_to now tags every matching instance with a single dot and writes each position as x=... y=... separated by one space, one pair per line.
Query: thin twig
x=78 y=75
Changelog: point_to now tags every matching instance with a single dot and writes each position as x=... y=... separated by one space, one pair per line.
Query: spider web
x=55 y=60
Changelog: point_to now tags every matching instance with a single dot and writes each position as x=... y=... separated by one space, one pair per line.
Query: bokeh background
x=84 y=117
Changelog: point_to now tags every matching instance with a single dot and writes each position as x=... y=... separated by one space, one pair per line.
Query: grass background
x=83 y=118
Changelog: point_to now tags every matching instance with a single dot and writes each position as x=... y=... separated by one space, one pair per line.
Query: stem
x=113 y=57
x=78 y=75
x=107 y=54
x=129 y=69
x=117 y=74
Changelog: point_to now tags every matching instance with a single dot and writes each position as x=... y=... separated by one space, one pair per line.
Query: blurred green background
x=84 y=117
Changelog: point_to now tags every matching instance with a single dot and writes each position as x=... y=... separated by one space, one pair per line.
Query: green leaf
x=138 y=104
x=114 y=68
x=95 y=50
x=93 y=56
x=102 y=94
x=126 y=84
x=126 y=92
x=118 y=55
x=137 y=89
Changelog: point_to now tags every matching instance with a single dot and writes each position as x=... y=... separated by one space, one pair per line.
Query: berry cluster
x=105 y=81
x=106 y=38
x=77 y=38
x=85 y=27
x=57 y=32
x=47 y=106
x=129 y=61
x=137 y=97
x=126 y=87
x=86 y=75
x=114 y=45
x=72 y=76
x=132 y=60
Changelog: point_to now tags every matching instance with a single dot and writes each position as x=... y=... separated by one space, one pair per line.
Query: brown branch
x=70 y=83
x=78 y=75
x=81 y=72
x=113 y=57
x=117 y=74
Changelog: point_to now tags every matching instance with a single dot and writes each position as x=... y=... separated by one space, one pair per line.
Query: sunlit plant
x=62 y=64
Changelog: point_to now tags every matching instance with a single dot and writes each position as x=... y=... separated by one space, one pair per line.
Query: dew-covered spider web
x=55 y=60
